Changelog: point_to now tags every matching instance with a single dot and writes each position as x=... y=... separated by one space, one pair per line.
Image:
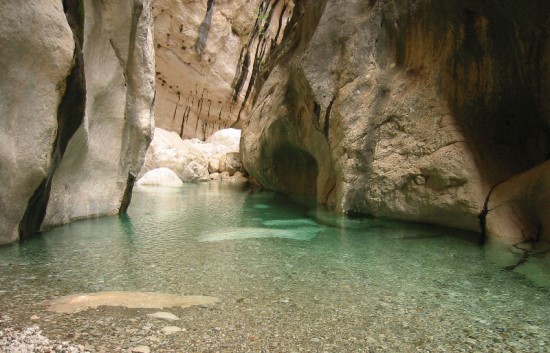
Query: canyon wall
x=208 y=56
x=76 y=109
x=410 y=110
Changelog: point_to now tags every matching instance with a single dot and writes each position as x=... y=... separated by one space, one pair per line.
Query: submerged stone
x=168 y=330
x=164 y=316
x=147 y=300
x=302 y=233
x=289 y=222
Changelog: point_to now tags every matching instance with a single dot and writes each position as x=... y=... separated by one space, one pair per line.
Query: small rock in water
x=35 y=317
x=168 y=330
x=164 y=316
x=141 y=349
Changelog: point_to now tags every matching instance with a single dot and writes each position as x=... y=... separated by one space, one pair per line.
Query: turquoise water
x=300 y=269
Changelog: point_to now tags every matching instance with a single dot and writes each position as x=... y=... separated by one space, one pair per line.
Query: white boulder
x=160 y=177
x=168 y=150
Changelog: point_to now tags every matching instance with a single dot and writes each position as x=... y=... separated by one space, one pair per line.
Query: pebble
x=168 y=330
x=141 y=349
x=31 y=340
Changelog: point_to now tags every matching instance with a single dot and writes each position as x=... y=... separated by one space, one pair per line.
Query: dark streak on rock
x=176 y=109
x=241 y=73
x=70 y=114
x=127 y=196
x=326 y=127
x=204 y=28
x=482 y=216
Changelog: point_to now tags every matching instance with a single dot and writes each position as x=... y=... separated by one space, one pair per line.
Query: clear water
x=297 y=273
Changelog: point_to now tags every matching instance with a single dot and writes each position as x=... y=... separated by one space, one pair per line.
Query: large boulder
x=168 y=150
x=36 y=57
x=224 y=141
x=409 y=110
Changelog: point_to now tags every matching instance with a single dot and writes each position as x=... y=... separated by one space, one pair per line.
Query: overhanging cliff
x=411 y=109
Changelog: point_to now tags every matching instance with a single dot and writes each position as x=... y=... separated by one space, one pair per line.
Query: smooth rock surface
x=520 y=205
x=160 y=177
x=105 y=155
x=36 y=57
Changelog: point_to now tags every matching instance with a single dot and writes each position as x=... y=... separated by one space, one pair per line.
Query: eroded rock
x=403 y=110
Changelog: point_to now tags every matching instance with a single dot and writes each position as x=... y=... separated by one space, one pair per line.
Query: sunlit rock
x=213 y=165
x=36 y=63
x=225 y=140
x=192 y=159
x=168 y=150
x=143 y=300
x=237 y=178
x=104 y=156
x=160 y=177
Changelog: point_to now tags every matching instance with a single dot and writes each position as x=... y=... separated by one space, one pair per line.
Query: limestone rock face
x=209 y=54
x=36 y=57
x=105 y=155
x=76 y=109
x=409 y=110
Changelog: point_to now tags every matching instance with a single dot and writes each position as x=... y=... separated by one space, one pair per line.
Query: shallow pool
x=294 y=277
